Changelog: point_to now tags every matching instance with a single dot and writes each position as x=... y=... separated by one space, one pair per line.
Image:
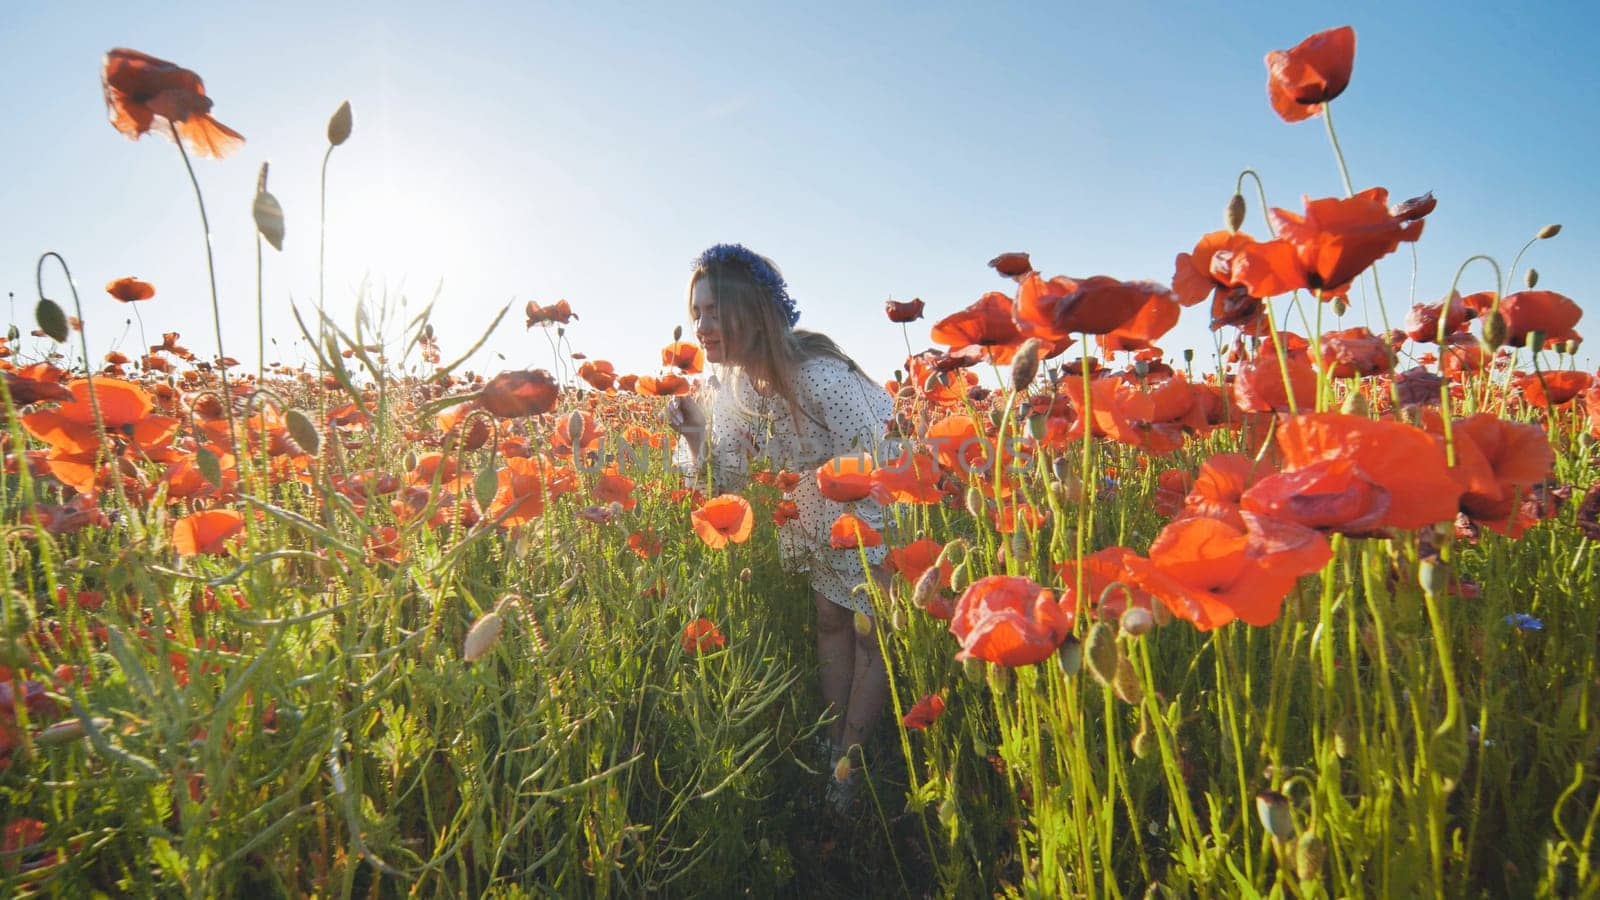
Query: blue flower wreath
x=763 y=272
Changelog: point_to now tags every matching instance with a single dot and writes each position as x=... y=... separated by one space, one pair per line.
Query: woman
x=794 y=398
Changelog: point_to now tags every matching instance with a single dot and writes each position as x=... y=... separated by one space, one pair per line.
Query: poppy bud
x=1433 y=574
x=959 y=577
x=481 y=638
x=1161 y=615
x=52 y=321
x=305 y=433
x=1038 y=426
x=1025 y=364
x=1531 y=278
x=863 y=623
x=1188 y=354
x=897 y=618
x=1141 y=368
x=1021 y=550
x=841 y=769
x=1344 y=737
x=1137 y=621
x=975 y=502
x=1547 y=232
x=1061 y=467
x=954 y=553
x=1235 y=215
x=1069 y=656
x=745 y=574
x=1535 y=341
x=1495 y=330
x=268 y=213
x=1570 y=346
x=340 y=124
x=1340 y=304
x=1144 y=743
x=949 y=814
x=17 y=614
x=68 y=731
x=1273 y=810
x=1309 y=853
x=1125 y=684
x=1101 y=648
x=972 y=668
x=907 y=393
x=1354 y=405
x=999 y=679
x=927 y=587
x=677 y=333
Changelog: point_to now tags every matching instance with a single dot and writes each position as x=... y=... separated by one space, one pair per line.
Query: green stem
x=211 y=272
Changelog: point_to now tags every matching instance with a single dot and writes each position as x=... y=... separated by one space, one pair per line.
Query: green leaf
x=51 y=319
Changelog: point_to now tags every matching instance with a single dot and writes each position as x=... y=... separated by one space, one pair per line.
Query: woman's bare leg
x=836 y=652
x=869 y=689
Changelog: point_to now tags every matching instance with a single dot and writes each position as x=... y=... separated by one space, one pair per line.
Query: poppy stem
x=1261 y=191
x=1338 y=153
x=211 y=272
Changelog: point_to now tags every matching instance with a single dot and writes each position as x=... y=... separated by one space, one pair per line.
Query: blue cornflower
x=1524 y=622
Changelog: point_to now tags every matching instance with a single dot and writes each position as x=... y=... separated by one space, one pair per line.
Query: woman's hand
x=687 y=417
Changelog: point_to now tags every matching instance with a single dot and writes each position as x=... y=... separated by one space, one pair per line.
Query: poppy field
x=1316 y=618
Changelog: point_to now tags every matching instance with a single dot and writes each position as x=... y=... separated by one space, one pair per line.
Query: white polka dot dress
x=841 y=412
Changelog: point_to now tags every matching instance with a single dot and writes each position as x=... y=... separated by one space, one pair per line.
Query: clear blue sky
x=530 y=151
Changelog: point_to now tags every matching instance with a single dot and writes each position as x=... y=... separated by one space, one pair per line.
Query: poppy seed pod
x=1025 y=364
x=340 y=124
x=1531 y=278
x=1549 y=231
x=1273 y=810
x=1340 y=306
x=1535 y=342
x=482 y=637
x=1570 y=346
x=1101 y=648
x=1235 y=215
x=1495 y=330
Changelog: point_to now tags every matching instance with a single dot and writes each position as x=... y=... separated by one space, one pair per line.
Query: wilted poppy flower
x=986 y=323
x=686 y=357
x=723 y=520
x=130 y=289
x=903 y=311
x=923 y=713
x=1544 y=311
x=559 y=312
x=139 y=87
x=1011 y=265
x=206 y=532
x=25 y=391
x=1315 y=71
x=527 y=392
x=785 y=512
x=702 y=635
x=1354 y=351
x=1338 y=238
x=849 y=532
x=846 y=478
x=1010 y=621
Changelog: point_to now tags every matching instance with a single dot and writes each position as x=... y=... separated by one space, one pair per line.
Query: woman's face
x=707 y=324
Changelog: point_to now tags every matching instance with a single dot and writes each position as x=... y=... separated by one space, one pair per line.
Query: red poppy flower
x=1061 y=307
x=923 y=713
x=785 y=512
x=528 y=392
x=688 y=358
x=903 y=311
x=702 y=635
x=1107 y=589
x=600 y=374
x=987 y=323
x=911 y=478
x=580 y=427
x=1422 y=322
x=670 y=385
x=1331 y=494
x=646 y=544
x=849 y=532
x=139 y=87
x=1496 y=462
x=130 y=289
x=1203 y=571
x=1547 y=389
x=559 y=312
x=125 y=407
x=1192 y=277
x=206 y=532
x=25 y=391
x=1338 y=238
x=1009 y=621
x=1259 y=385
x=1545 y=311
x=846 y=478
x=614 y=487
x=723 y=520
x=519 y=491
x=916 y=558
x=627 y=383
x=1315 y=71
x=1407 y=462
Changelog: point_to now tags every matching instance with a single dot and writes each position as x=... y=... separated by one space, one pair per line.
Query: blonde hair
x=756 y=335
